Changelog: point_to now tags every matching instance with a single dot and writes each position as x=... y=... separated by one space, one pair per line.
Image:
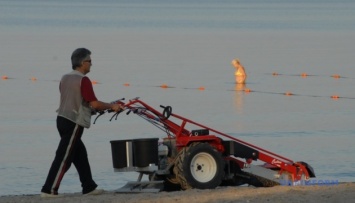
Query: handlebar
x=138 y=107
x=118 y=101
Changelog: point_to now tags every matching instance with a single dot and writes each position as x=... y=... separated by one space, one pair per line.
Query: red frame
x=184 y=138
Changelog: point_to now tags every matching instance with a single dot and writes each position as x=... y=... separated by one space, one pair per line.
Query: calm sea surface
x=186 y=45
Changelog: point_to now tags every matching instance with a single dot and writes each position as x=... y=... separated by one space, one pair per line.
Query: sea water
x=186 y=45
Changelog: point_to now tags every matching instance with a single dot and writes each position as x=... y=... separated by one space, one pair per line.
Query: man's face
x=86 y=65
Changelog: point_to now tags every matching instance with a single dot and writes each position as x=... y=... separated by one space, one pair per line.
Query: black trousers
x=71 y=149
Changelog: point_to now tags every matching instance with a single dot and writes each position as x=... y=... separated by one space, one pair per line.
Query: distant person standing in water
x=77 y=100
x=240 y=75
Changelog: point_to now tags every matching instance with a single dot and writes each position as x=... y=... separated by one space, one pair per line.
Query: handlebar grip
x=118 y=101
x=162 y=106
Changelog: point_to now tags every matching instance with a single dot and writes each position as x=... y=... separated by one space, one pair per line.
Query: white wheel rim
x=203 y=167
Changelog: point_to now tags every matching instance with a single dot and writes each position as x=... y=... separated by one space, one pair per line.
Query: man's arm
x=89 y=96
x=99 y=105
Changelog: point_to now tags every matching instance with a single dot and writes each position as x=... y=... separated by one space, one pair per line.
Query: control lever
x=166 y=112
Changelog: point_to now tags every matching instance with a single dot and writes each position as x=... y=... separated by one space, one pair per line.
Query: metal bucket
x=145 y=152
x=121 y=155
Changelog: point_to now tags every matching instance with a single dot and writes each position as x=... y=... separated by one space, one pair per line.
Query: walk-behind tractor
x=196 y=156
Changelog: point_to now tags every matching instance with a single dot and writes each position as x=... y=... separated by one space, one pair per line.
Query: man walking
x=77 y=101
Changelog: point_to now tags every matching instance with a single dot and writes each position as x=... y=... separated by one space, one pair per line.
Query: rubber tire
x=207 y=171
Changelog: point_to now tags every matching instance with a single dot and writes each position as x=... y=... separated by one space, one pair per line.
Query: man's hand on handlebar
x=117 y=107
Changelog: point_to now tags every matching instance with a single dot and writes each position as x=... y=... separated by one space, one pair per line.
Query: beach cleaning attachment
x=191 y=155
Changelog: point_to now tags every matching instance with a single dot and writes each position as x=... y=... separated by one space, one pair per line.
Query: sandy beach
x=343 y=192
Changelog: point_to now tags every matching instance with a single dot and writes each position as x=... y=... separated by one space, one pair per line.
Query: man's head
x=80 y=56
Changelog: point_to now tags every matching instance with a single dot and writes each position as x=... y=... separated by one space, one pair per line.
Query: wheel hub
x=203 y=167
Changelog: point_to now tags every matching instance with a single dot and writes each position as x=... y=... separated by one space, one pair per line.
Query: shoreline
x=342 y=192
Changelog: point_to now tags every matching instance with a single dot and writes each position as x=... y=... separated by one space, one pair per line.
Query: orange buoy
x=247 y=90
x=201 y=88
x=335 y=97
x=275 y=74
x=336 y=76
x=164 y=86
x=94 y=82
x=4 y=77
x=288 y=93
x=304 y=75
x=33 y=79
x=126 y=84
